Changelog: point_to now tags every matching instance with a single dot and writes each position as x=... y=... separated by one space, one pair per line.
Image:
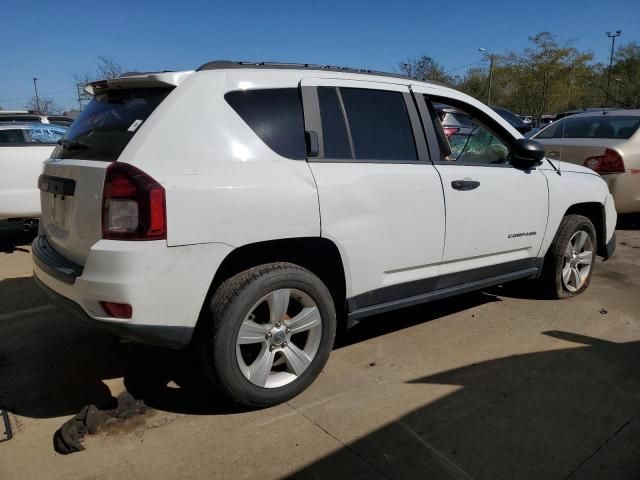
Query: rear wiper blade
x=72 y=144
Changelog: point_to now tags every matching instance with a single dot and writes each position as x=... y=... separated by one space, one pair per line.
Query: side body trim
x=421 y=291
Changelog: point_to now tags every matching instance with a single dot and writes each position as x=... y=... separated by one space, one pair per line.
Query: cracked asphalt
x=490 y=385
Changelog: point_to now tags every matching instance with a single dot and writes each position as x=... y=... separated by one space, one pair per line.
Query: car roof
x=24 y=125
x=607 y=113
x=301 y=67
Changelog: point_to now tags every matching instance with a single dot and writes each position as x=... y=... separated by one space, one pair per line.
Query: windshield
x=601 y=126
x=108 y=123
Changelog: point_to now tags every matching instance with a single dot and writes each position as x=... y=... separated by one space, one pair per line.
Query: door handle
x=464 y=184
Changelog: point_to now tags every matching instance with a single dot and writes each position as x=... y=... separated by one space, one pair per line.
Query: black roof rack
x=230 y=64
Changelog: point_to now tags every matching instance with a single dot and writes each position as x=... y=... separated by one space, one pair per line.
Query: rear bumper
x=166 y=286
x=168 y=337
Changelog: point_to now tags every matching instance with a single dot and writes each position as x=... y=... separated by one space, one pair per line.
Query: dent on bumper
x=159 y=335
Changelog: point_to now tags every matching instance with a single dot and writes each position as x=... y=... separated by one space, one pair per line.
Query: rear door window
x=13 y=136
x=379 y=125
x=108 y=123
x=334 y=127
x=275 y=115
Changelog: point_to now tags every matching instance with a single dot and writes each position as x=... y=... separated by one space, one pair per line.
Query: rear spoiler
x=138 y=80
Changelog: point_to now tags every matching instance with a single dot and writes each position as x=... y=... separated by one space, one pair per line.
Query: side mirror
x=527 y=153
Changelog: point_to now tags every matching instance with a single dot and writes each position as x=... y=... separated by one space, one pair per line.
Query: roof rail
x=230 y=64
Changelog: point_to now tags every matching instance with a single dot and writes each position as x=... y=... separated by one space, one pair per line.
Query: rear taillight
x=450 y=131
x=610 y=162
x=133 y=205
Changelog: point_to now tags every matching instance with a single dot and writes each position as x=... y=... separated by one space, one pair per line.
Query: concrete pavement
x=489 y=385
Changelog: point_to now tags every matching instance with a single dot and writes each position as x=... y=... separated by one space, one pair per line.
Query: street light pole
x=35 y=87
x=612 y=36
x=491 y=58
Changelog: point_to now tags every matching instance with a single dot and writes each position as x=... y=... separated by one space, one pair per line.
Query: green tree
x=547 y=75
x=625 y=76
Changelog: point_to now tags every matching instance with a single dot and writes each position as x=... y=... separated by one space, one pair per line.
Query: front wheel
x=569 y=263
x=268 y=333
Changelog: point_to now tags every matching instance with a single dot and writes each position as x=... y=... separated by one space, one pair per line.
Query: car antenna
x=564 y=126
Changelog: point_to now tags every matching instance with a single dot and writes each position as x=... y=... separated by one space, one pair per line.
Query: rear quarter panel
x=223 y=184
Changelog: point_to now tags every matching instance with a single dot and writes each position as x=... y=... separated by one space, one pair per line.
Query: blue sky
x=54 y=39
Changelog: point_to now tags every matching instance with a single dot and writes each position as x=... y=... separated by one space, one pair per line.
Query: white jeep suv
x=250 y=209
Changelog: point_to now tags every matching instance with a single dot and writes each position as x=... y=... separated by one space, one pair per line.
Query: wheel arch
x=318 y=255
x=595 y=212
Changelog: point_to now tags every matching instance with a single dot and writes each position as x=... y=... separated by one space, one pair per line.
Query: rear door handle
x=464 y=184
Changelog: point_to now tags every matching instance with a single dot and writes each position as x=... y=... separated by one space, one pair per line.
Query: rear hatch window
x=108 y=123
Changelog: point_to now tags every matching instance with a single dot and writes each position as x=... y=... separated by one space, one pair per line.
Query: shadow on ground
x=52 y=365
x=15 y=239
x=628 y=221
x=566 y=413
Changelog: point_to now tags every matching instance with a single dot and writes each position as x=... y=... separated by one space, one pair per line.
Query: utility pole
x=491 y=59
x=612 y=36
x=79 y=96
x=35 y=87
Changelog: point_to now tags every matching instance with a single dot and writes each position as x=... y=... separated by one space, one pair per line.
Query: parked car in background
x=527 y=119
x=568 y=113
x=23 y=149
x=545 y=120
x=457 y=126
x=607 y=142
x=296 y=198
x=515 y=121
x=532 y=132
x=22 y=116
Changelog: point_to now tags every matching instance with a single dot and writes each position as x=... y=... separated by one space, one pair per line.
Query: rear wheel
x=269 y=332
x=569 y=263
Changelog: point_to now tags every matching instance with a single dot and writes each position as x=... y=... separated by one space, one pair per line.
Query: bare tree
x=45 y=105
x=106 y=68
x=425 y=68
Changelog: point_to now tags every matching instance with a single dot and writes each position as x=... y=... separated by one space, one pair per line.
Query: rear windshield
x=602 y=126
x=108 y=123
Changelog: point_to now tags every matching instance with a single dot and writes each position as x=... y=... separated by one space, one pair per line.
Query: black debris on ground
x=69 y=436
x=603 y=311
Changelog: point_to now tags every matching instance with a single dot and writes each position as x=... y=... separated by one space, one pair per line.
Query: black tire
x=551 y=278
x=227 y=309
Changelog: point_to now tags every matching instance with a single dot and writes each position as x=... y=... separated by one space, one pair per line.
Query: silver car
x=605 y=141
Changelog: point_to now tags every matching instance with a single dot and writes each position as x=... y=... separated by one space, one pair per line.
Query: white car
x=607 y=141
x=23 y=149
x=31 y=116
x=251 y=208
